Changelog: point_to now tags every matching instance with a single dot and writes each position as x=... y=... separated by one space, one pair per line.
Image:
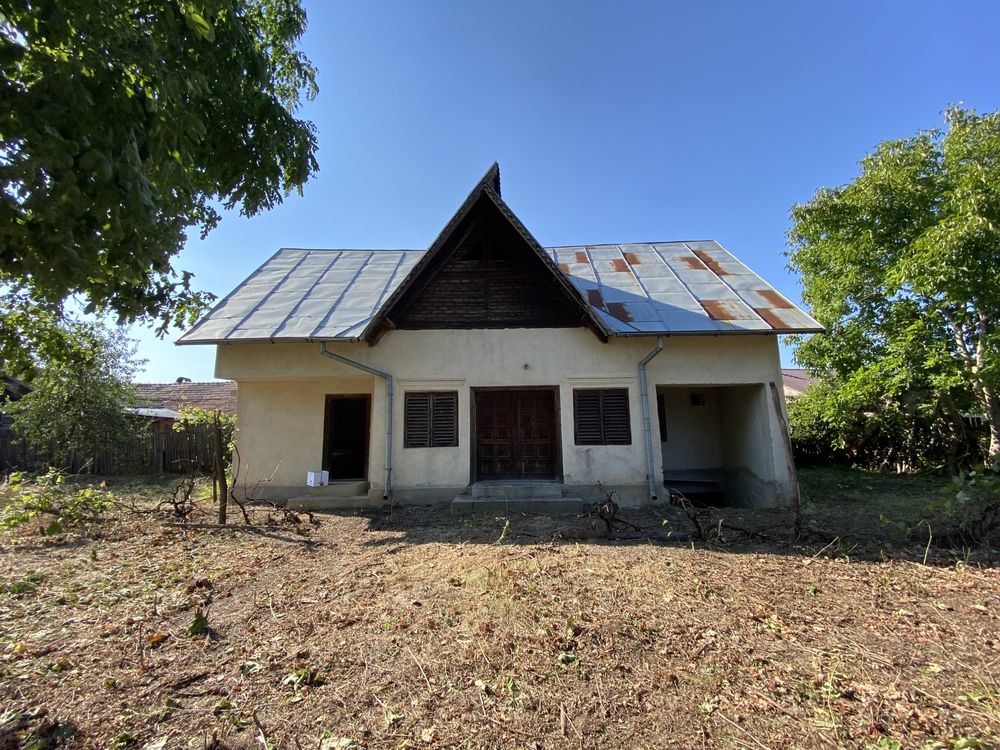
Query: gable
x=486 y=276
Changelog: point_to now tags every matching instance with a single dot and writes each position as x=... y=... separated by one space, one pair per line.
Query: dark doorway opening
x=345 y=437
x=516 y=434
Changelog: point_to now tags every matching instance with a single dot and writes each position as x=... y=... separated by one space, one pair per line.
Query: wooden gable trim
x=424 y=271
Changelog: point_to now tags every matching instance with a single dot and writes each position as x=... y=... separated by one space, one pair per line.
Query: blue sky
x=612 y=122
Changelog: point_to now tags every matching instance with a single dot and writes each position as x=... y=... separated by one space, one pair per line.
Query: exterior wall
x=693 y=432
x=750 y=473
x=282 y=388
x=280 y=427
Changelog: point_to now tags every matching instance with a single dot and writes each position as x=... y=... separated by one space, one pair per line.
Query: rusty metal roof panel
x=635 y=289
x=786 y=320
x=690 y=287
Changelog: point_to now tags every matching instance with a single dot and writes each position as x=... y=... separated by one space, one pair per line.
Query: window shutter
x=430 y=420
x=617 y=430
x=444 y=419
x=587 y=417
x=416 y=420
x=601 y=417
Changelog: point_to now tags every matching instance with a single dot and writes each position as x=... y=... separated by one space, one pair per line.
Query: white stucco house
x=489 y=361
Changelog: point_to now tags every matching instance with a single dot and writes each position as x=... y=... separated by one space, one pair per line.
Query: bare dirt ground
x=421 y=629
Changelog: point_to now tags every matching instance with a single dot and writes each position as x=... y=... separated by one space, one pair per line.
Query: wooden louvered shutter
x=417 y=420
x=601 y=417
x=430 y=420
x=587 y=417
x=615 y=417
x=444 y=419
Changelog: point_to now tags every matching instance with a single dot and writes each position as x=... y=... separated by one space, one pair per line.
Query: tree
x=79 y=404
x=126 y=123
x=901 y=266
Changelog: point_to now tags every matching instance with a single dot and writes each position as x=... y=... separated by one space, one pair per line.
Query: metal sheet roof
x=678 y=288
x=671 y=288
x=153 y=412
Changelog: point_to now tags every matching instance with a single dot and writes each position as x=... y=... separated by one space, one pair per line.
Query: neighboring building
x=797 y=382
x=488 y=361
x=162 y=398
x=13 y=389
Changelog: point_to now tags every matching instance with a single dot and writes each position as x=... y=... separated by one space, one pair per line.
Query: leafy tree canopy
x=124 y=124
x=79 y=404
x=900 y=266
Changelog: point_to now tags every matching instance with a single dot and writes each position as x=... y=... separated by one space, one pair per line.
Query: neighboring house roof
x=13 y=388
x=669 y=288
x=796 y=381
x=177 y=396
x=153 y=413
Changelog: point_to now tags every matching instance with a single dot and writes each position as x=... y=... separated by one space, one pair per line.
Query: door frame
x=556 y=425
x=327 y=427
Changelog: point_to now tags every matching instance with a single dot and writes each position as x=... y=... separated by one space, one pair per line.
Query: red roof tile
x=177 y=396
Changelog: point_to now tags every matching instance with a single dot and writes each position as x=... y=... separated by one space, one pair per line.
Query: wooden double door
x=516 y=434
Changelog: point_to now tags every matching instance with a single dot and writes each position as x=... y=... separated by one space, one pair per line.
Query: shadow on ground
x=726 y=530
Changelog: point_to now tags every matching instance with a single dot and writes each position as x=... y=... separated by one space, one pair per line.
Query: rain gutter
x=646 y=424
x=388 y=410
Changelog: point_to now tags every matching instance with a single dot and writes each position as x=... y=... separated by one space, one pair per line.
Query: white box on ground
x=317 y=478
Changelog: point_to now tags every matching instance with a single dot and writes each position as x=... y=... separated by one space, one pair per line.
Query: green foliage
x=866 y=422
x=968 y=513
x=196 y=416
x=897 y=266
x=79 y=403
x=49 y=495
x=123 y=125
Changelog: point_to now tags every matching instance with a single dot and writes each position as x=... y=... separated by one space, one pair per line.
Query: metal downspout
x=388 y=410
x=646 y=424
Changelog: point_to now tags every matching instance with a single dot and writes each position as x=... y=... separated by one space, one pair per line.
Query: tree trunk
x=992 y=408
x=219 y=468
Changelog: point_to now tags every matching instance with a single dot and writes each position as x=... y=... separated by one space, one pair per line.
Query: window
x=430 y=420
x=601 y=417
x=697 y=399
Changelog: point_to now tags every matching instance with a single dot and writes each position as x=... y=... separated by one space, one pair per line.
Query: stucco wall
x=745 y=425
x=693 y=432
x=281 y=389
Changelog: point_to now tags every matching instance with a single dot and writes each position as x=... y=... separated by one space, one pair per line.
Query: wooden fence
x=160 y=449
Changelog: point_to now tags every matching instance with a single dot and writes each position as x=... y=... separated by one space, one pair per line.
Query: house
x=796 y=382
x=489 y=366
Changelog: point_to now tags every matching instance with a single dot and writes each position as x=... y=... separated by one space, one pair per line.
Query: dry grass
x=417 y=630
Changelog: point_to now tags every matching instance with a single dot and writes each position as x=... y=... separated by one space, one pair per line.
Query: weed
x=23 y=586
x=123 y=741
x=199 y=625
x=305 y=677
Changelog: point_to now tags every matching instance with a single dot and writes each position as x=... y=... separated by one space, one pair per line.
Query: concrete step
x=338 y=488
x=318 y=503
x=516 y=490
x=542 y=506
